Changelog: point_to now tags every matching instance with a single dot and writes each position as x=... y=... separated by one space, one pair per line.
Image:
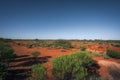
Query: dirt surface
x=109 y=69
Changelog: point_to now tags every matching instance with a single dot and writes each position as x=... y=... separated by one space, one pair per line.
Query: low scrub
x=70 y=67
x=113 y=53
x=82 y=48
x=6 y=54
x=3 y=71
x=116 y=44
x=38 y=72
x=61 y=44
x=35 y=54
x=29 y=45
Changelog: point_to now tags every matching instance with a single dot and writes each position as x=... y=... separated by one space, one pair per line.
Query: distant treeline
x=83 y=40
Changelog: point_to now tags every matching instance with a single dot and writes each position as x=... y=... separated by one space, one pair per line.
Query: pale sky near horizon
x=60 y=19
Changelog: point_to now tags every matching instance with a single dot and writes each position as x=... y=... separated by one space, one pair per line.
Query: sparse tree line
x=51 y=44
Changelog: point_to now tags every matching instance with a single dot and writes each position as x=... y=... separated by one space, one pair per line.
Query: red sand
x=22 y=50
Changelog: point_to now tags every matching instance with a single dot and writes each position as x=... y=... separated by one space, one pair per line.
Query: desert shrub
x=113 y=53
x=116 y=44
x=62 y=50
x=96 y=54
x=82 y=48
x=29 y=45
x=6 y=54
x=3 y=71
x=70 y=67
x=61 y=44
x=36 y=53
x=105 y=56
x=38 y=72
x=41 y=43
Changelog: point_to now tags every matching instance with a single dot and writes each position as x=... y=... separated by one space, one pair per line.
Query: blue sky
x=60 y=19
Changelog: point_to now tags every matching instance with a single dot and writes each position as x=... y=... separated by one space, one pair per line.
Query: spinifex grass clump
x=70 y=67
x=38 y=72
x=113 y=53
x=61 y=44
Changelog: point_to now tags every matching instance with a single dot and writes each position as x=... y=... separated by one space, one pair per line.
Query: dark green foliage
x=6 y=54
x=61 y=44
x=113 y=53
x=82 y=48
x=29 y=45
x=38 y=72
x=3 y=70
x=70 y=67
x=116 y=44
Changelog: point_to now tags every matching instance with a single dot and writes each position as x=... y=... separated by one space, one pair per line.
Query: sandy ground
x=111 y=69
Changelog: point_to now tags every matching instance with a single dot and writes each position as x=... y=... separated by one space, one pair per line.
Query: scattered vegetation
x=113 y=53
x=61 y=44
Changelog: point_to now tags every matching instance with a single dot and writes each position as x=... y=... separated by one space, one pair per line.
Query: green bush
x=70 y=67
x=116 y=44
x=6 y=54
x=3 y=71
x=113 y=53
x=38 y=72
x=82 y=48
x=29 y=45
x=61 y=44
x=36 y=53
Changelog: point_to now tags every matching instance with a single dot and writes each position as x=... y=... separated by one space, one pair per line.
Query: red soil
x=21 y=50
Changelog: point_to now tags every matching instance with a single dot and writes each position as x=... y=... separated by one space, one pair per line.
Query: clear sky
x=60 y=19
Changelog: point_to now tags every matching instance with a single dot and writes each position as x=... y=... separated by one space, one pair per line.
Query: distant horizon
x=56 y=39
x=60 y=19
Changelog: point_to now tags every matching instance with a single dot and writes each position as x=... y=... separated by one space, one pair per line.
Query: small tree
x=38 y=72
x=36 y=54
